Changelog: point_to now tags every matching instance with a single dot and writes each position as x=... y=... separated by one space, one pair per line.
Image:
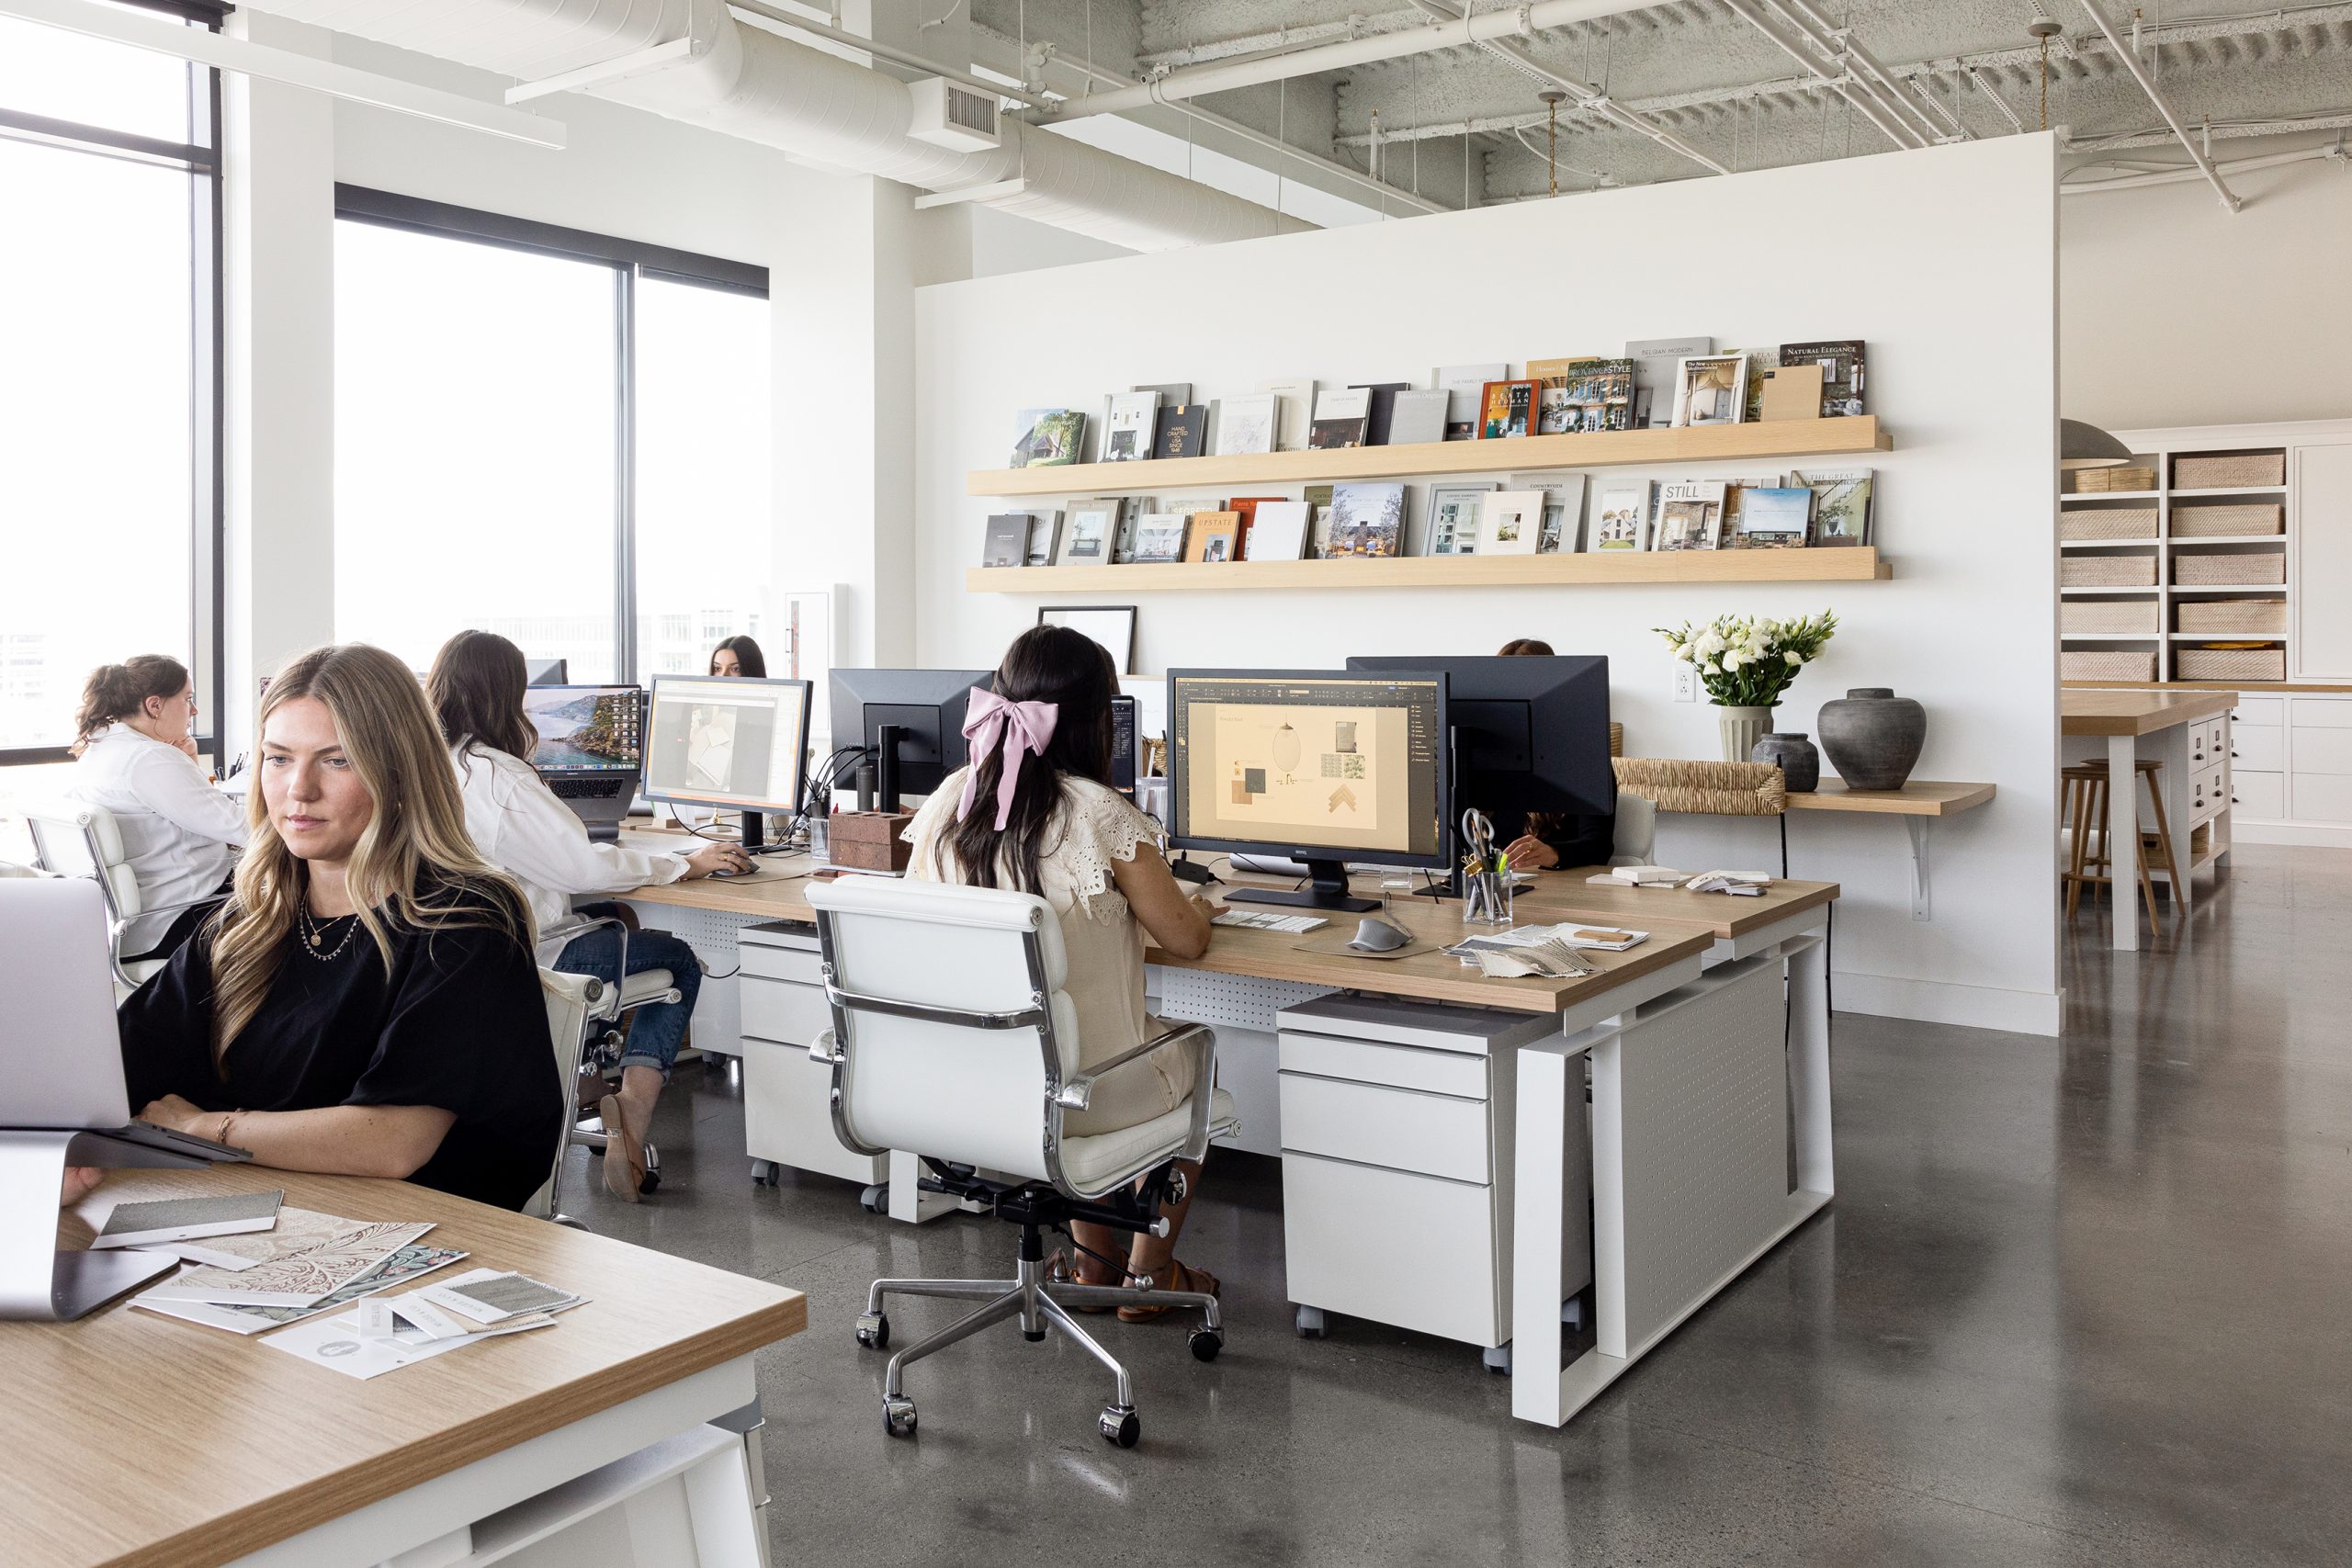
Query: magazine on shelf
x=1563 y=509
x=1159 y=537
x=1382 y=413
x=1506 y=410
x=1842 y=504
x=1343 y=414
x=1510 y=521
x=1464 y=387
x=1621 y=515
x=1216 y=536
x=1712 y=389
x=1088 y=530
x=1841 y=373
x=1007 y=542
x=1245 y=424
x=1452 y=526
x=1182 y=431
x=1048 y=438
x=1735 y=497
x=1367 y=520
x=1295 y=411
x=1417 y=418
x=1044 y=533
x=1689 y=514
x=1127 y=426
x=1773 y=519
x=1657 y=366
x=1278 y=531
x=1577 y=396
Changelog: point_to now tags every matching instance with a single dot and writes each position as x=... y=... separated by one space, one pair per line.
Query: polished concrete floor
x=2079 y=1301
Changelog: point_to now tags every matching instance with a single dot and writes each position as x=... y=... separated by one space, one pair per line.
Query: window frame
x=199 y=156
x=629 y=261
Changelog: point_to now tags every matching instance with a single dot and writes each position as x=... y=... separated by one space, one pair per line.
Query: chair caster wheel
x=873 y=1330
x=875 y=1200
x=1205 y=1343
x=898 y=1417
x=1118 y=1424
x=1309 y=1323
x=1498 y=1360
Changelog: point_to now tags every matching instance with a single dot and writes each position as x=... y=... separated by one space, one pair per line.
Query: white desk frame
x=654 y=1470
x=1680 y=1207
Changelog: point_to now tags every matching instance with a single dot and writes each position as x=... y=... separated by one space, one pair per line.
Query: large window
x=110 y=516
x=553 y=435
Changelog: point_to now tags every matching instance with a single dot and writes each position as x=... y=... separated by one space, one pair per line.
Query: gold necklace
x=314 y=934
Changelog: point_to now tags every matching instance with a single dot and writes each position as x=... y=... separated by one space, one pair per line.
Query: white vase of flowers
x=1745 y=662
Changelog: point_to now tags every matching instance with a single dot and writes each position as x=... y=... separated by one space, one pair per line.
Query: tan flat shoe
x=624 y=1156
x=1178 y=1277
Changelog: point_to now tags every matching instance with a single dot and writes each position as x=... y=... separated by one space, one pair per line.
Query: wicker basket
x=2228 y=471
x=2108 y=522
x=2232 y=663
x=2107 y=572
x=2101 y=481
x=2199 y=570
x=2239 y=517
x=2107 y=616
x=2104 y=665
x=2260 y=616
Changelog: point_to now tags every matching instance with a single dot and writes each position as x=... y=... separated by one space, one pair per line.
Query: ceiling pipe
x=1840 y=42
x=2335 y=151
x=1341 y=54
x=1864 y=103
x=2156 y=96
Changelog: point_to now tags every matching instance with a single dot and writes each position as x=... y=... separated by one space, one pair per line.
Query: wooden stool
x=2083 y=807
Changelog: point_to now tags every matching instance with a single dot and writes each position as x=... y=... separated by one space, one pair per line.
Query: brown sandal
x=624 y=1156
x=1179 y=1277
x=1062 y=1267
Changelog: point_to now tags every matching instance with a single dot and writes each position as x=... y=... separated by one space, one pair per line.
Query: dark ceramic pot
x=1874 y=736
x=1791 y=752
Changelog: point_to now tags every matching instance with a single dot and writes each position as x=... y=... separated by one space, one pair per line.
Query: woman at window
x=137 y=758
x=476 y=689
x=1544 y=841
x=739 y=656
x=1037 y=814
x=365 y=1004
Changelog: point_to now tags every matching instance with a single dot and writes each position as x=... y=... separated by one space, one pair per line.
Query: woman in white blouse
x=137 y=759
x=476 y=691
x=1035 y=812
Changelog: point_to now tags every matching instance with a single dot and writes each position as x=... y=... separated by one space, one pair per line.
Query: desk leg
x=908 y=1202
x=1550 y=1089
x=1808 y=958
x=2123 y=837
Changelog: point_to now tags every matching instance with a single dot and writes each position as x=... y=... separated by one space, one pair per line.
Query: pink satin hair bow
x=990 y=722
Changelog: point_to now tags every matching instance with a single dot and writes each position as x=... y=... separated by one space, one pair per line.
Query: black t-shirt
x=1577 y=841
x=458 y=1023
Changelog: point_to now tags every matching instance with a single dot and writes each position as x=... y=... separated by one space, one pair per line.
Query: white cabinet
x=787 y=1098
x=2290 y=768
x=2257 y=797
x=2322 y=563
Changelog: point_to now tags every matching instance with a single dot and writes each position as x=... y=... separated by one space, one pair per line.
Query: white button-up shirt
x=180 y=836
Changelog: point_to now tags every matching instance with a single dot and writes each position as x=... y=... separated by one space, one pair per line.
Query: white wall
x=2177 y=313
x=1943 y=260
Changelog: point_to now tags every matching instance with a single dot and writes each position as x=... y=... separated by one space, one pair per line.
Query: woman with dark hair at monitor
x=739 y=656
x=1545 y=840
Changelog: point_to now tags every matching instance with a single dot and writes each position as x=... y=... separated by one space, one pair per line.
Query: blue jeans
x=660 y=1027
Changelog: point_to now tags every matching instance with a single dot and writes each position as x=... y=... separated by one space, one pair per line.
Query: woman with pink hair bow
x=1035 y=812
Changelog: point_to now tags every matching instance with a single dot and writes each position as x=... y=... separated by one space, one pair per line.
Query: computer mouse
x=1376 y=935
x=725 y=872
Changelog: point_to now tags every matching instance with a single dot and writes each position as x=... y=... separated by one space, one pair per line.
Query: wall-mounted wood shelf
x=1848 y=564
x=1798 y=438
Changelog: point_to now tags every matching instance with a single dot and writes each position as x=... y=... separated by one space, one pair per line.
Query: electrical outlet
x=1686 y=682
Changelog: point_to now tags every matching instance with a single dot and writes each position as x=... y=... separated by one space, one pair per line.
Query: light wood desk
x=2122 y=718
x=139 y=1439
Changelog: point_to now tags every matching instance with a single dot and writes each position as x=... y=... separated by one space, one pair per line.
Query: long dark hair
x=749 y=660
x=1045 y=664
x=475 y=692
x=118 y=691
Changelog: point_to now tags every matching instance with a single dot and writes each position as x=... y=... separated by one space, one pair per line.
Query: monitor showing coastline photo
x=584 y=730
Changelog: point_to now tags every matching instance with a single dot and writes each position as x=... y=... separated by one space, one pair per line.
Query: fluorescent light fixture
x=207 y=48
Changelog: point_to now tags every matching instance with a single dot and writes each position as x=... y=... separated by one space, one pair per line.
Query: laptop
x=590 y=750
x=60 y=1053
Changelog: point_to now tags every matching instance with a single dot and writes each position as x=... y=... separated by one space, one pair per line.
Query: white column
x=2124 y=837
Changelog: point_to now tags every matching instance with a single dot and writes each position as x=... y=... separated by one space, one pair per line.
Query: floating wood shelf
x=1797 y=438
x=1919 y=797
x=1849 y=564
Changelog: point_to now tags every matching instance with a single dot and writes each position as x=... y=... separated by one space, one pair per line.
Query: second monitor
x=734 y=742
x=1318 y=765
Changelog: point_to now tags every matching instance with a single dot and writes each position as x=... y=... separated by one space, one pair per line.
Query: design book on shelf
x=1841 y=373
x=1580 y=395
x=1341 y=416
x=1127 y=426
x=1046 y=437
x=1182 y=432
x=1689 y=514
x=1841 y=503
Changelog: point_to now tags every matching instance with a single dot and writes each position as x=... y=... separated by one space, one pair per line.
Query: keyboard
x=592 y=789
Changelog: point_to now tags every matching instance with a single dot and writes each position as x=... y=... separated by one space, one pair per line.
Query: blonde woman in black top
x=366 y=1003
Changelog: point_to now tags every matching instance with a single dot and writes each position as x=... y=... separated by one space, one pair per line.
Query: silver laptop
x=60 y=1049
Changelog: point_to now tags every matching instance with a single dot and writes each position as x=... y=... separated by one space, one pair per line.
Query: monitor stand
x=1328 y=890
x=39 y=1284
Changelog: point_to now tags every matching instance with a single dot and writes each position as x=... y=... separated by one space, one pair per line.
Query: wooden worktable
x=2137 y=713
x=137 y=1439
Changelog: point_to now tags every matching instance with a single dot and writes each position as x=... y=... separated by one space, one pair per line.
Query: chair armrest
x=1078 y=1093
x=823 y=1049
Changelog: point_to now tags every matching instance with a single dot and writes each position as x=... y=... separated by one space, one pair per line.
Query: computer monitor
x=1530 y=733
x=910 y=721
x=1126 y=747
x=586 y=729
x=733 y=742
x=547 y=671
x=1315 y=764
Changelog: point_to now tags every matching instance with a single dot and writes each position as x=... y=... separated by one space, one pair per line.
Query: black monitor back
x=1531 y=731
x=927 y=705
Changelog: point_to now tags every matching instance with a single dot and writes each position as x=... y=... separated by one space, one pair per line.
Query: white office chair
x=72 y=839
x=576 y=1005
x=1636 y=834
x=607 y=1007
x=952 y=1038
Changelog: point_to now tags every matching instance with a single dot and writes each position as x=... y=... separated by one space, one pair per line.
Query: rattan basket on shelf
x=2108 y=522
x=2108 y=615
x=2258 y=616
x=2195 y=569
x=2234 y=517
x=2104 y=665
x=2231 y=663
x=2107 y=572
x=2101 y=481
x=2226 y=469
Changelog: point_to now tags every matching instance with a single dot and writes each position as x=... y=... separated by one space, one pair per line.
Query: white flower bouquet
x=1749 y=661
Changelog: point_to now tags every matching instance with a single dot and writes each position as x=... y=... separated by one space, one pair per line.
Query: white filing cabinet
x=787 y=1098
x=2290 y=768
x=1397 y=1129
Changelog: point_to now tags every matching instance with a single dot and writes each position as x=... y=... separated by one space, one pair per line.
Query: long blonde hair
x=417 y=834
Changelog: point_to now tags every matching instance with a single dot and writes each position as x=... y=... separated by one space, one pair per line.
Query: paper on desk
x=1600 y=939
x=410 y=1262
x=335 y=1342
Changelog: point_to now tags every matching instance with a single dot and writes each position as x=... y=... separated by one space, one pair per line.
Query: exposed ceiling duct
x=818 y=108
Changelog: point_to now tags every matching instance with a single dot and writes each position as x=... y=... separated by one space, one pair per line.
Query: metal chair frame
x=589 y=1132
x=117 y=922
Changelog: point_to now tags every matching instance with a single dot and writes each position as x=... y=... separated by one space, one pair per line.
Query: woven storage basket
x=2192 y=570
x=2110 y=615
x=2104 y=665
x=2108 y=522
x=1714 y=789
x=2232 y=663
x=2257 y=615
x=2107 y=572
x=2100 y=481
x=2243 y=517
x=2231 y=469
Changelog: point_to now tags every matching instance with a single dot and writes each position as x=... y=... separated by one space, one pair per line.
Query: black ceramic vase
x=1791 y=752
x=1874 y=736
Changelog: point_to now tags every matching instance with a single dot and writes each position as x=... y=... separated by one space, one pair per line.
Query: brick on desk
x=869 y=841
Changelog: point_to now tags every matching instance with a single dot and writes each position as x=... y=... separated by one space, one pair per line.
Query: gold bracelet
x=227 y=1122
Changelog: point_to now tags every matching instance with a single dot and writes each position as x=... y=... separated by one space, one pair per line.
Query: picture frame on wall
x=1112 y=625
